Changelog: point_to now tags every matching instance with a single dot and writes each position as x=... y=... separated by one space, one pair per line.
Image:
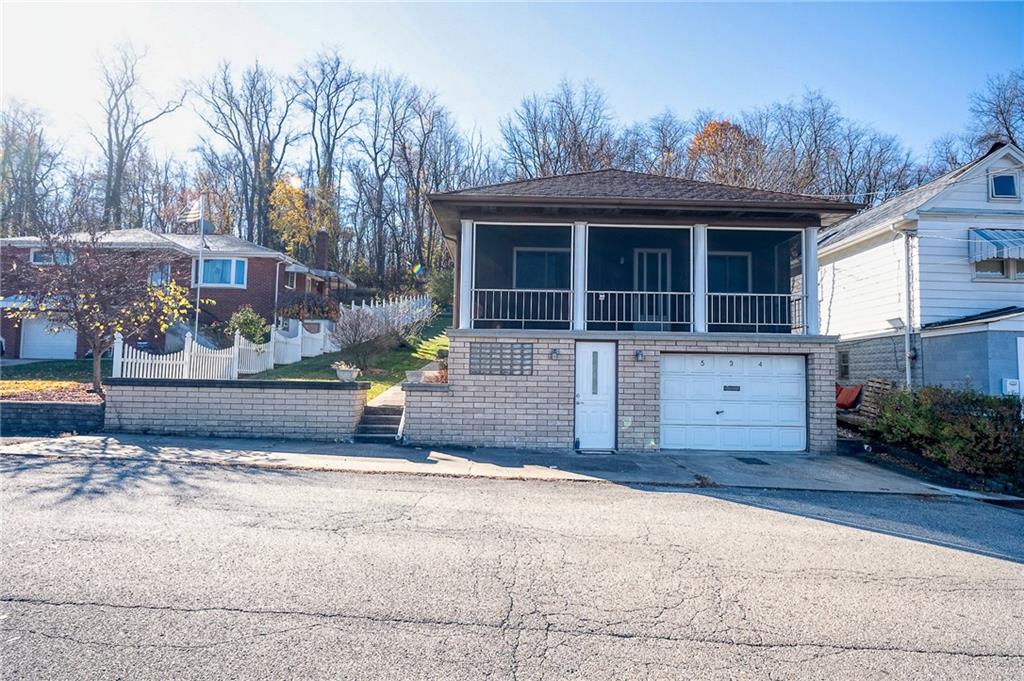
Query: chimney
x=320 y=250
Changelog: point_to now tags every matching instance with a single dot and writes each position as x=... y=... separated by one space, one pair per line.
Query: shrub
x=965 y=430
x=442 y=286
x=302 y=305
x=250 y=324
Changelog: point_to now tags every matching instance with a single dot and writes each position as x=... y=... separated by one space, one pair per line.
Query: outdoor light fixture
x=639 y=355
x=553 y=353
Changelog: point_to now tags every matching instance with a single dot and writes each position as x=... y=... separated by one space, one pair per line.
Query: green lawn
x=387 y=370
x=54 y=370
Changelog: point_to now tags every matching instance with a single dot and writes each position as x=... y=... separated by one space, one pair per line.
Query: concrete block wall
x=539 y=410
x=882 y=357
x=498 y=411
x=273 y=409
x=49 y=418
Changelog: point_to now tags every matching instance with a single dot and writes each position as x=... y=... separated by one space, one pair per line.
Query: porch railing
x=551 y=306
x=639 y=310
x=755 y=312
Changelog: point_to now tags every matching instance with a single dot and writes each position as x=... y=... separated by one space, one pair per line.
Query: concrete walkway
x=711 y=469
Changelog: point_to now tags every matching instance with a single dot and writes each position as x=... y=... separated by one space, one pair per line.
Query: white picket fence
x=194 y=360
x=286 y=346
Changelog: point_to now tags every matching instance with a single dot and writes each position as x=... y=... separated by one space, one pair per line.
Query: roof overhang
x=449 y=209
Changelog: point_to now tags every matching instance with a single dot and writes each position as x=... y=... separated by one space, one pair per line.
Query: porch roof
x=613 y=189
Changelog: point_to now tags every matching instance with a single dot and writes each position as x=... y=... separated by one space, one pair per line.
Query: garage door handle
x=720 y=411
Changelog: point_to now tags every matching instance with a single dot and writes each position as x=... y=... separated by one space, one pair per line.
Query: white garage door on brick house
x=38 y=341
x=733 y=402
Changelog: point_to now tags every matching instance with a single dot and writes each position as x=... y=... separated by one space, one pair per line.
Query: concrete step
x=370 y=429
x=384 y=411
x=380 y=438
x=377 y=420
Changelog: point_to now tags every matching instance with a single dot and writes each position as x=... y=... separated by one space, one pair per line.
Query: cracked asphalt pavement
x=152 y=570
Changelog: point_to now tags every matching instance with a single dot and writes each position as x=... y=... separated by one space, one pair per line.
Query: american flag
x=193 y=214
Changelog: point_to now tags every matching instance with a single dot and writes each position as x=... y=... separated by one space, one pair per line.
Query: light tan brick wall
x=538 y=410
x=310 y=414
x=500 y=411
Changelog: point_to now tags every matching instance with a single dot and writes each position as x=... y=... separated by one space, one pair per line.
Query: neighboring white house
x=938 y=270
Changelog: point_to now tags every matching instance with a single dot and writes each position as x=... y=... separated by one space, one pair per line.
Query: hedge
x=964 y=430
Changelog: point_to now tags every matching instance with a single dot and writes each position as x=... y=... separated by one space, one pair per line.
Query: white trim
x=234 y=267
x=294 y=276
x=699 y=273
x=809 y=270
x=992 y=175
x=579 y=259
x=466 y=275
x=1020 y=364
x=636 y=267
x=32 y=256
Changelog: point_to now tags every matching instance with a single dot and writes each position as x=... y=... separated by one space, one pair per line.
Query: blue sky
x=905 y=68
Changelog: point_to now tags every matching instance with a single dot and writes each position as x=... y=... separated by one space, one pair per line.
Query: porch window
x=522 y=276
x=542 y=268
x=755 y=281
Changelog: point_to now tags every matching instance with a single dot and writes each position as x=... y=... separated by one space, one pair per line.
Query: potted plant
x=345 y=372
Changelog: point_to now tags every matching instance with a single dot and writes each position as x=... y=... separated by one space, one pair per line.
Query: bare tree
x=124 y=125
x=30 y=169
x=252 y=117
x=330 y=92
x=569 y=130
x=998 y=110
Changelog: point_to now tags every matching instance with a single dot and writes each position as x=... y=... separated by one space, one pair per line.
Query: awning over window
x=990 y=244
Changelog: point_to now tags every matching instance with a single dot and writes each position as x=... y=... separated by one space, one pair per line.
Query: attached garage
x=38 y=342
x=734 y=402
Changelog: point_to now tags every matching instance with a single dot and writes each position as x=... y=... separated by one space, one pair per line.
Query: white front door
x=734 y=402
x=595 y=395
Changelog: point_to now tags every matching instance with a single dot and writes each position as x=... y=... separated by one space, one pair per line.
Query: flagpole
x=199 y=268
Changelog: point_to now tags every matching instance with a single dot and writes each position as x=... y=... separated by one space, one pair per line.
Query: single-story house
x=235 y=273
x=928 y=287
x=617 y=310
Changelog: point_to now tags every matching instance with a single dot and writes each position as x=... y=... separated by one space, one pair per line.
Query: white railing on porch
x=757 y=312
x=640 y=310
x=522 y=305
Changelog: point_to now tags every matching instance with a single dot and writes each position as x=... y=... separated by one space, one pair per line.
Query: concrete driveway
x=709 y=469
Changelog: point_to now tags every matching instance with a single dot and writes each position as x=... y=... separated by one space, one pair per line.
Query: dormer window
x=1003 y=186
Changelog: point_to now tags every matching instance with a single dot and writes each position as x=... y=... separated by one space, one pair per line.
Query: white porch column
x=700 y=278
x=579 y=276
x=810 y=269
x=466 y=249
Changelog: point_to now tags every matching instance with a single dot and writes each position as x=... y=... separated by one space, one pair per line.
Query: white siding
x=861 y=287
x=947 y=286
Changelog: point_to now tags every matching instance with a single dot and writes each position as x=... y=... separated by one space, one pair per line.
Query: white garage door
x=733 y=402
x=38 y=343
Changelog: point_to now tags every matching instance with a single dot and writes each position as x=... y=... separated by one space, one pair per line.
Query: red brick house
x=235 y=273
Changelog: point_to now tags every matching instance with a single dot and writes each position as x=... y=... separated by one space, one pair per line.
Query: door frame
x=615 y=392
x=637 y=252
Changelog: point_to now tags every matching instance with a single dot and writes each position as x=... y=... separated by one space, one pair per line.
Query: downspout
x=908 y=307
x=277 y=276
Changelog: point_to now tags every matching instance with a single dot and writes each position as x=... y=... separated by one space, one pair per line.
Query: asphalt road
x=150 y=570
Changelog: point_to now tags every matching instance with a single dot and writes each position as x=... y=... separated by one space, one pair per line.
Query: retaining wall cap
x=241 y=384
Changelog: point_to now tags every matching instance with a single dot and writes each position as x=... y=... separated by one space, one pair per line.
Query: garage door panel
x=37 y=342
x=733 y=402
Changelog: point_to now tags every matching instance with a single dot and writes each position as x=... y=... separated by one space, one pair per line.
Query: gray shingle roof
x=612 y=184
x=895 y=208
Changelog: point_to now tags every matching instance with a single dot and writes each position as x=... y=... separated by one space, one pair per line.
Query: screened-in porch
x=636 y=278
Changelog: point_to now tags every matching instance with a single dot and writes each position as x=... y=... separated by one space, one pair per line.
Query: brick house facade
x=614 y=310
x=269 y=276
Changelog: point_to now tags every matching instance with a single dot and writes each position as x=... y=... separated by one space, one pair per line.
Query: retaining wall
x=308 y=410
x=49 y=418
